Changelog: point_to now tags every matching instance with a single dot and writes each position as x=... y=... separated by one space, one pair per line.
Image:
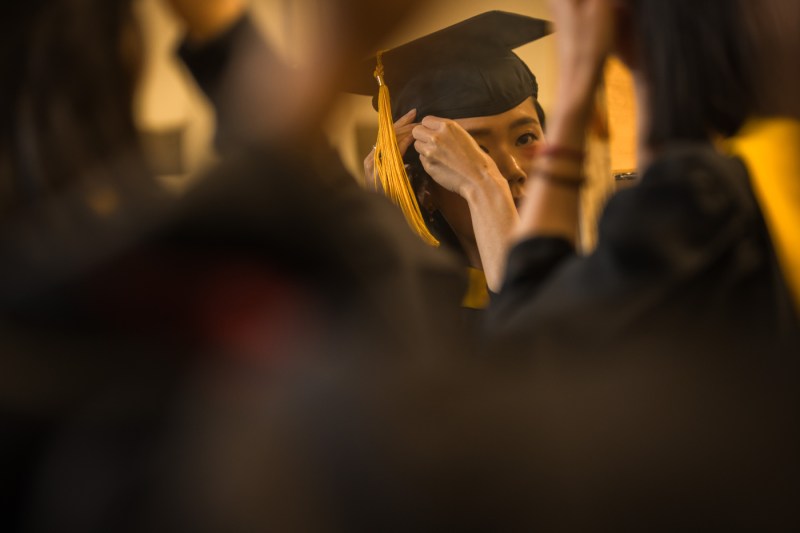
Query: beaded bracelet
x=561 y=152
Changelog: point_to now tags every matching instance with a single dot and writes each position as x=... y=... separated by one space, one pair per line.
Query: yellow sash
x=771 y=150
x=477 y=296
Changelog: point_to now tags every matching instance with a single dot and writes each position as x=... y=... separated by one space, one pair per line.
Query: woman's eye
x=527 y=139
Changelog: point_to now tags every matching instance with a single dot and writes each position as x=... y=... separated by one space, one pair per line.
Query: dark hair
x=66 y=92
x=693 y=54
x=772 y=29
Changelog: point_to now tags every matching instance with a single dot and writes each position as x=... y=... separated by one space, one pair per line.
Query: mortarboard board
x=465 y=70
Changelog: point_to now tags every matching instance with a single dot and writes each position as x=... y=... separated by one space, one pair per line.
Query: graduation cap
x=465 y=70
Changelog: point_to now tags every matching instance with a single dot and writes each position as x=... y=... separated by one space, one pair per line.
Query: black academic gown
x=684 y=261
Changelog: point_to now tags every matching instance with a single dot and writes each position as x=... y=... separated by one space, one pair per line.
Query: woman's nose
x=511 y=170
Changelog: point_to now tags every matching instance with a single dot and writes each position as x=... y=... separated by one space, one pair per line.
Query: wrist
x=560 y=166
x=568 y=126
x=577 y=89
x=489 y=183
x=555 y=151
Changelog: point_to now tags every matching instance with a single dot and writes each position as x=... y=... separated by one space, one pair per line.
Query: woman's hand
x=402 y=128
x=455 y=161
x=452 y=157
x=205 y=19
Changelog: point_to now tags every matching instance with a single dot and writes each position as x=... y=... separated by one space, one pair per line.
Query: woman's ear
x=625 y=40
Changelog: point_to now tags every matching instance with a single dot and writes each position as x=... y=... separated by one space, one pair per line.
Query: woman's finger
x=434 y=123
x=405 y=131
x=404 y=143
x=424 y=149
x=405 y=128
x=423 y=133
x=406 y=119
x=369 y=171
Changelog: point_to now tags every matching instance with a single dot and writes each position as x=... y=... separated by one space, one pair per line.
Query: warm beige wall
x=621 y=116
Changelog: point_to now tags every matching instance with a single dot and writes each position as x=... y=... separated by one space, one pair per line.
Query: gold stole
x=771 y=149
x=477 y=296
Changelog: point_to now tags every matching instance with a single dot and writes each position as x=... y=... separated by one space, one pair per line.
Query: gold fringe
x=477 y=295
x=389 y=166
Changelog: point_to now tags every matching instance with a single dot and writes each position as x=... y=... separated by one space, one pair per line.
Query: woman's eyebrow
x=523 y=121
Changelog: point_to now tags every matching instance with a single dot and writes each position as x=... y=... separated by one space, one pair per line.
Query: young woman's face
x=510 y=139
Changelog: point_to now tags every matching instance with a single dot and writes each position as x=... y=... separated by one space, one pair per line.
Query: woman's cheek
x=528 y=153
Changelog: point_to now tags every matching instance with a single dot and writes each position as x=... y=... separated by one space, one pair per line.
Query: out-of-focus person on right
x=685 y=263
x=770 y=142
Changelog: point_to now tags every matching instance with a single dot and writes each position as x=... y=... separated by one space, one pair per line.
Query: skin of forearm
x=494 y=217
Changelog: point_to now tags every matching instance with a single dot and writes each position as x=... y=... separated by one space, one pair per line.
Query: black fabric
x=485 y=85
x=684 y=257
x=465 y=70
x=209 y=62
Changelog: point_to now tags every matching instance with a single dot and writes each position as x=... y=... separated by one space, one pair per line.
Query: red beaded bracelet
x=561 y=152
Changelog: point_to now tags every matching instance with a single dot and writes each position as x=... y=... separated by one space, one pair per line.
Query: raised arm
x=585 y=36
x=455 y=161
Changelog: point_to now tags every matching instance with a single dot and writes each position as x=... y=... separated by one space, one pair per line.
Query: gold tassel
x=389 y=166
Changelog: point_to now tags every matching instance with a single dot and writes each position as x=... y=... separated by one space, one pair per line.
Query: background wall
x=622 y=116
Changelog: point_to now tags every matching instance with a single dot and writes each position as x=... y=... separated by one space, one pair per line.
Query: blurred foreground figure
x=114 y=297
x=684 y=262
x=629 y=444
x=770 y=141
x=88 y=236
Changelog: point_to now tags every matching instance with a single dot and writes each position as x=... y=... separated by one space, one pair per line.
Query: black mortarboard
x=464 y=70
